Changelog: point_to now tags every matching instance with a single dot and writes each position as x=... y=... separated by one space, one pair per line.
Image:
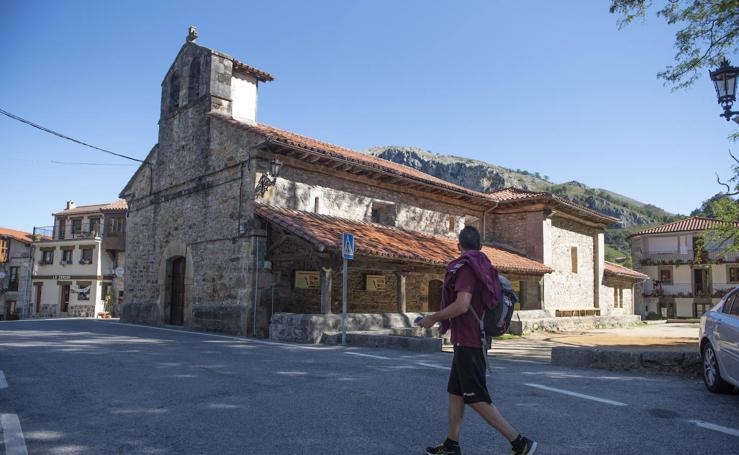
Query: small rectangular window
x=3 y=250
x=47 y=257
x=76 y=226
x=86 y=256
x=733 y=274
x=67 y=256
x=452 y=224
x=383 y=213
x=83 y=290
x=13 y=279
x=317 y=205
x=573 y=258
x=665 y=276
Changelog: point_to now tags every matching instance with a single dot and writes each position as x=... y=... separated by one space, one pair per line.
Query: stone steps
x=385 y=339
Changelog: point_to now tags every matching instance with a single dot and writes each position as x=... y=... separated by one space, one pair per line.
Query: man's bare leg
x=494 y=418
x=456 y=413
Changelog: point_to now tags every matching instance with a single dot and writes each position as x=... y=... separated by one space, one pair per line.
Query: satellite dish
x=118 y=272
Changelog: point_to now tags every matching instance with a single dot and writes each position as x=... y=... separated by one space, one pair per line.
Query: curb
x=682 y=363
x=407 y=343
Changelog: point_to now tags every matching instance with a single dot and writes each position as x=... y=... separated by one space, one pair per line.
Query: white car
x=719 y=343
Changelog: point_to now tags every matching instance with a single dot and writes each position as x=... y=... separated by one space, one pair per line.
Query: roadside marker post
x=347 y=252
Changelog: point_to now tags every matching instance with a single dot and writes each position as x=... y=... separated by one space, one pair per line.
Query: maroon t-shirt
x=465 y=328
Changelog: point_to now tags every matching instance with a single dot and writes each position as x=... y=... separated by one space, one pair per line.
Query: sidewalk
x=678 y=337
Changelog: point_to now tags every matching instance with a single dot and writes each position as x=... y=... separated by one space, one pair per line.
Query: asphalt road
x=84 y=386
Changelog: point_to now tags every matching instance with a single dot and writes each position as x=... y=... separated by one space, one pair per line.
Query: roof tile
x=695 y=223
x=621 y=271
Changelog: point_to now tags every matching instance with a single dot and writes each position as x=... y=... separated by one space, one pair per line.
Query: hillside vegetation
x=481 y=176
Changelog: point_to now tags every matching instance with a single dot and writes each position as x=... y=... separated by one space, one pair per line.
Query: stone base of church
x=527 y=324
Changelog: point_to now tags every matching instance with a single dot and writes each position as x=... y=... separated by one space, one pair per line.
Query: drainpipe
x=485 y=220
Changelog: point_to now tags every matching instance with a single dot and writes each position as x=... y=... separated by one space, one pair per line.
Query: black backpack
x=496 y=321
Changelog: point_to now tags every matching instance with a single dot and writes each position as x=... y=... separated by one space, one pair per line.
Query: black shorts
x=467 y=378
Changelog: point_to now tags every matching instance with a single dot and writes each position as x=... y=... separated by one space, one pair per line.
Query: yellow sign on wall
x=307 y=280
x=375 y=282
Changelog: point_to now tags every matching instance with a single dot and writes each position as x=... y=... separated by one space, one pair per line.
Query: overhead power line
x=47 y=130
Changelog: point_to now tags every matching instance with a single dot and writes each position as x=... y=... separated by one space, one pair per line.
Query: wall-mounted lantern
x=269 y=179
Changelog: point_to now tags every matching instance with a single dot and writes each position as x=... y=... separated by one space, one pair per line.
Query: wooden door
x=64 y=303
x=177 y=292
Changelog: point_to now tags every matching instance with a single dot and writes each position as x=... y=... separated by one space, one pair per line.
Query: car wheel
x=711 y=371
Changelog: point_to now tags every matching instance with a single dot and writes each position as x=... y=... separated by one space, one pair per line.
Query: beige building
x=15 y=273
x=234 y=224
x=684 y=279
x=79 y=262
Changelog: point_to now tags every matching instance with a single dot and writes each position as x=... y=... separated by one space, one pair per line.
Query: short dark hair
x=469 y=238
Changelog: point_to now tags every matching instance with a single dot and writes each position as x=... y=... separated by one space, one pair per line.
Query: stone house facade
x=15 y=273
x=232 y=221
x=685 y=279
x=79 y=262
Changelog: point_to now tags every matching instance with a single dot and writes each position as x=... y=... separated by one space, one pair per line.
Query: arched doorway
x=434 y=297
x=176 y=290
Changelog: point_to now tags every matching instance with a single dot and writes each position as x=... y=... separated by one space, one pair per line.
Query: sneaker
x=441 y=449
x=528 y=447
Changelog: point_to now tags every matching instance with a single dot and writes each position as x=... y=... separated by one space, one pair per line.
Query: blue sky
x=552 y=87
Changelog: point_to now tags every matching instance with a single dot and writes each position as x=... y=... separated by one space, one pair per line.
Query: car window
x=729 y=304
x=734 y=310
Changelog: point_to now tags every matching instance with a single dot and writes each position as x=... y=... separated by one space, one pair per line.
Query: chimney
x=70 y=205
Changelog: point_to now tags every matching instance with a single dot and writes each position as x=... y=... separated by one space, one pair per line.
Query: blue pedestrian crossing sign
x=347 y=245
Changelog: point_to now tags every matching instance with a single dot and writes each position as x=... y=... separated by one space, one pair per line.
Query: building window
x=733 y=274
x=193 y=81
x=47 y=257
x=383 y=213
x=86 y=256
x=67 y=255
x=3 y=250
x=618 y=298
x=573 y=258
x=116 y=225
x=13 y=279
x=452 y=224
x=665 y=275
x=174 y=93
x=76 y=227
x=106 y=292
x=83 y=290
x=316 y=205
x=95 y=226
x=61 y=228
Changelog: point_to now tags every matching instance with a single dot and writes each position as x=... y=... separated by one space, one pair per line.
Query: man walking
x=471 y=284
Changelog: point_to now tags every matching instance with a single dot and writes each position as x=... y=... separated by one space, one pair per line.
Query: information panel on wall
x=375 y=282
x=305 y=279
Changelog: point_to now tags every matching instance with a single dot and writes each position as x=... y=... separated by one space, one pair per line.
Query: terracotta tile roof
x=323 y=232
x=695 y=223
x=21 y=236
x=289 y=139
x=621 y=271
x=262 y=76
x=119 y=204
x=516 y=194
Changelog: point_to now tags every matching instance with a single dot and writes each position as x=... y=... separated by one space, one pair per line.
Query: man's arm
x=459 y=306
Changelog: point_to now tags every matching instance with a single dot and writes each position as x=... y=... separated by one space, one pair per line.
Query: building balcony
x=687 y=258
x=112 y=239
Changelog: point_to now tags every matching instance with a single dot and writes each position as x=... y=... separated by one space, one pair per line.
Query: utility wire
x=74 y=163
x=47 y=130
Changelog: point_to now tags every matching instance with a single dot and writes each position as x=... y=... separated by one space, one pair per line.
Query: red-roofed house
x=15 y=273
x=231 y=221
x=683 y=283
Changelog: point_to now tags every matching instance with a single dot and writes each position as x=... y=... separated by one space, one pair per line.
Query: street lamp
x=265 y=181
x=724 y=79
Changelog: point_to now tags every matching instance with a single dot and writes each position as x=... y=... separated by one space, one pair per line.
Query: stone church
x=235 y=226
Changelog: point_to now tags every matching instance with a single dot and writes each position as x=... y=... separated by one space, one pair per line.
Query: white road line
x=13 y=435
x=368 y=355
x=432 y=365
x=575 y=394
x=3 y=382
x=536 y=362
x=714 y=427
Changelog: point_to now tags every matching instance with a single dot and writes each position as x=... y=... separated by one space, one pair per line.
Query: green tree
x=707 y=207
x=708 y=32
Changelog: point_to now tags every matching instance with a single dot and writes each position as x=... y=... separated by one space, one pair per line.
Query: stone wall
x=81 y=311
x=521 y=230
x=564 y=289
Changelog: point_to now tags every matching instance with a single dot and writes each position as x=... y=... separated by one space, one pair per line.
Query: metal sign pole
x=344 y=294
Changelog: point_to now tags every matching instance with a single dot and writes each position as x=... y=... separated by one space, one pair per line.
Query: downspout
x=485 y=220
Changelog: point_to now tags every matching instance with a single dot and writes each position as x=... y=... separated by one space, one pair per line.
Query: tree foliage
x=708 y=32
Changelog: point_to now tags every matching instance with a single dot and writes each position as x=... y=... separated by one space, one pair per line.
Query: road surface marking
x=3 y=382
x=714 y=427
x=536 y=362
x=575 y=394
x=432 y=365
x=368 y=355
x=12 y=435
